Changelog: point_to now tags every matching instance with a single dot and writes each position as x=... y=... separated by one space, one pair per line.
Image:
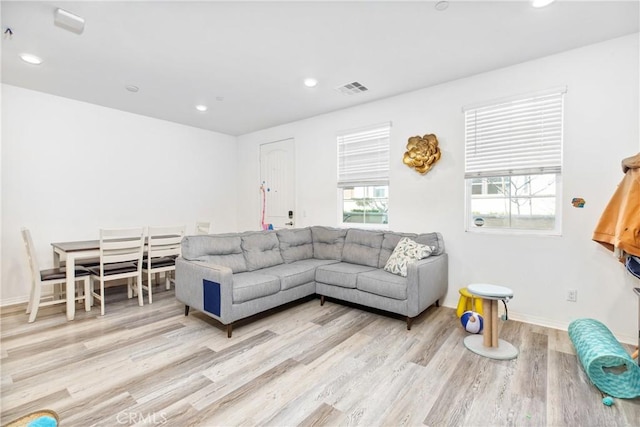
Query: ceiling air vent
x=352 y=88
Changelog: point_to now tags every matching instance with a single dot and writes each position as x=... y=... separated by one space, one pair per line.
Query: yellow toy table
x=468 y=302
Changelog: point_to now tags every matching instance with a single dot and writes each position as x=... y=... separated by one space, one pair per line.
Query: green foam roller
x=607 y=364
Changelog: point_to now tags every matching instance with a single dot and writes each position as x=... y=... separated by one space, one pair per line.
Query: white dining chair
x=120 y=258
x=203 y=227
x=163 y=247
x=56 y=277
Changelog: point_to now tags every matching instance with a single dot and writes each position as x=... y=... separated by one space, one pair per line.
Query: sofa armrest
x=427 y=282
x=191 y=278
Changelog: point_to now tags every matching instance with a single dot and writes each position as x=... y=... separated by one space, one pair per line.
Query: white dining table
x=70 y=252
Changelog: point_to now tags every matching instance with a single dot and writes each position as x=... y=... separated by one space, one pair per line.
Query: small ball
x=608 y=401
x=472 y=322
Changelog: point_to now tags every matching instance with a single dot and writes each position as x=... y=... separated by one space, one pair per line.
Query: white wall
x=601 y=128
x=70 y=168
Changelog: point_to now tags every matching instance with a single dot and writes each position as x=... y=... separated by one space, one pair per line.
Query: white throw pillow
x=406 y=251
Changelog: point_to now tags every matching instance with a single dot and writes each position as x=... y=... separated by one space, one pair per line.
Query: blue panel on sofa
x=211 y=296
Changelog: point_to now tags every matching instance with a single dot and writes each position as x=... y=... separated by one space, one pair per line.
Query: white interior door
x=277 y=167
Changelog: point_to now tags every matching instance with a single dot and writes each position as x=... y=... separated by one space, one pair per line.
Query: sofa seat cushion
x=249 y=286
x=291 y=275
x=383 y=283
x=342 y=274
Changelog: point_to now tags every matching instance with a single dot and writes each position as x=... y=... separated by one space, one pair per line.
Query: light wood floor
x=303 y=365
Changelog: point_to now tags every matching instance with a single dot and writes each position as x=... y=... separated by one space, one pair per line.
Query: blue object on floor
x=44 y=421
x=606 y=363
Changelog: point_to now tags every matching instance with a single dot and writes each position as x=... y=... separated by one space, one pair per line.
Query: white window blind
x=363 y=156
x=519 y=137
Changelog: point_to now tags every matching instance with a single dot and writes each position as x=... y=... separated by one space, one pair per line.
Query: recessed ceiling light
x=132 y=88
x=541 y=3
x=441 y=5
x=201 y=108
x=30 y=59
x=310 y=82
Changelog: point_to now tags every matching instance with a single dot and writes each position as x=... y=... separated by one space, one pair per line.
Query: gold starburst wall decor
x=422 y=153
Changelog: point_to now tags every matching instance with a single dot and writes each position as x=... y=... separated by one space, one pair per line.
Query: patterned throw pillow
x=406 y=251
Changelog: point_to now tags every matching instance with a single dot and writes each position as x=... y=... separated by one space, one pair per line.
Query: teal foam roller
x=606 y=363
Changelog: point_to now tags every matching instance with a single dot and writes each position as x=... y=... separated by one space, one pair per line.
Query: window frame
x=371 y=225
x=556 y=231
x=495 y=169
x=369 y=181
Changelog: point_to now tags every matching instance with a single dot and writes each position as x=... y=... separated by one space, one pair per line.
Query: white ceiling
x=247 y=60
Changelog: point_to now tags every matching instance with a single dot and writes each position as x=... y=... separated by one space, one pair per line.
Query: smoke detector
x=68 y=21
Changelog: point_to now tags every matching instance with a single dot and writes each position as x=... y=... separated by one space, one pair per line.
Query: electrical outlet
x=572 y=295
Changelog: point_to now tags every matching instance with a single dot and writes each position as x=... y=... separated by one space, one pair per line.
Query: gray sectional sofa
x=233 y=276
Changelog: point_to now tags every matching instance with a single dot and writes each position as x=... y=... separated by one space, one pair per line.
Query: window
x=363 y=175
x=513 y=164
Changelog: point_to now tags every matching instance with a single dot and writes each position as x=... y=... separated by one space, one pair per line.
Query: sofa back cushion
x=406 y=252
x=223 y=250
x=389 y=243
x=362 y=247
x=434 y=240
x=391 y=239
x=295 y=244
x=261 y=249
x=328 y=242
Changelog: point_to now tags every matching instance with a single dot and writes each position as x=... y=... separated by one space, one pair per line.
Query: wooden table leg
x=71 y=287
x=494 y=323
x=486 y=309
x=56 y=259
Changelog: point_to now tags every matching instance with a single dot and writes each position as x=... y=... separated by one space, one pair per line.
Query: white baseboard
x=563 y=326
x=624 y=338
x=12 y=301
